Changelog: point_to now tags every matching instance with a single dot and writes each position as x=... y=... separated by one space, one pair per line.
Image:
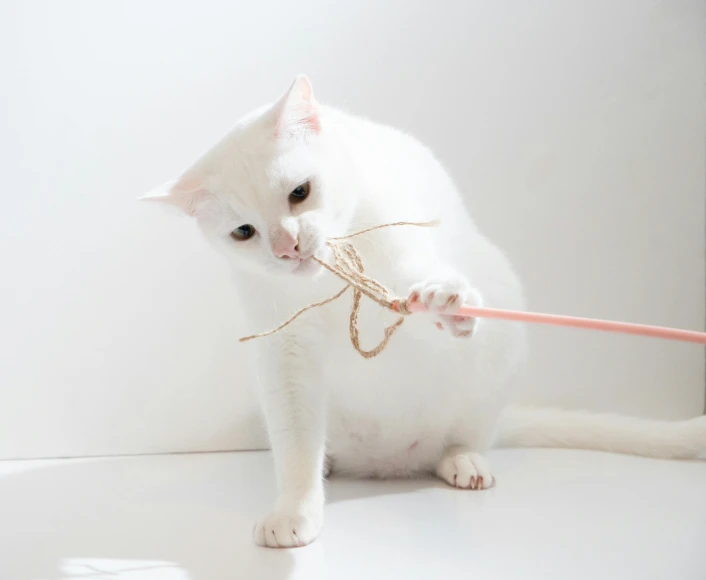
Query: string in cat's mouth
x=348 y=266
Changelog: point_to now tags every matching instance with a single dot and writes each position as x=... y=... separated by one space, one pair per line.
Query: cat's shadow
x=116 y=518
x=341 y=488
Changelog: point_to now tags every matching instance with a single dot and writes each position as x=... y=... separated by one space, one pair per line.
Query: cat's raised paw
x=281 y=530
x=443 y=298
x=464 y=469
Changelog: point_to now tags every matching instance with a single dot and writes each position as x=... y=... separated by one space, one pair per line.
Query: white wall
x=577 y=129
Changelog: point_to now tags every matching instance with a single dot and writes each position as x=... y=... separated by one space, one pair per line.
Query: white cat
x=284 y=180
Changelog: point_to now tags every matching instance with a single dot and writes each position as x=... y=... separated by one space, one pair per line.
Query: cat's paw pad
x=443 y=298
x=465 y=470
x=288 y=528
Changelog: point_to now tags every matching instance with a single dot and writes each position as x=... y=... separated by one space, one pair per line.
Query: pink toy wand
x=571 y=321
x=348 y=266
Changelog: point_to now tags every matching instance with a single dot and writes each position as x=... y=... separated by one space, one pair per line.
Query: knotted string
x=349 y=267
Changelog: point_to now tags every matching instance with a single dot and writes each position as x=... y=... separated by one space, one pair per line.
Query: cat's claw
x=464 y=469
x=283 y=530
x=443 y=298
x=293 y=523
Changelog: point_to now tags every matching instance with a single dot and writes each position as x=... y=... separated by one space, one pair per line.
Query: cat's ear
x=184 y=193
x=297 y=112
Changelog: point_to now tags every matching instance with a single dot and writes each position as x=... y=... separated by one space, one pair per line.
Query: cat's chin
x=307 y=268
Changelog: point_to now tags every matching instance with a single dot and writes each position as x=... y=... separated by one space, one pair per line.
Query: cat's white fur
x=433 y=401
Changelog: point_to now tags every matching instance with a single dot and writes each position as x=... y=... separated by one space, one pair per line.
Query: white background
x=576 y=130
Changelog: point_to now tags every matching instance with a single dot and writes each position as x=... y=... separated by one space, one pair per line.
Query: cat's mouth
x=306 y=263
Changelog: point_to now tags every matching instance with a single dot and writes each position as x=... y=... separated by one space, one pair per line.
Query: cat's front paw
x=289 y=525
x=443 y=297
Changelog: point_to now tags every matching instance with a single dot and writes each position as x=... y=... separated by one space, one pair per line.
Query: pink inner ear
x=185 y=194
x=297 y=112
x=300 y=123
x=190 y=201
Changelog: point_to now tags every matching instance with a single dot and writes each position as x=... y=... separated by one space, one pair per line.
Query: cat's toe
x=285 y=530
x=440 y=295
x=458 y=326
x=465 y=470
x=443 y=298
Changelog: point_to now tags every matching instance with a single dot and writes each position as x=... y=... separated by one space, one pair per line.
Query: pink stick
x=574 y=322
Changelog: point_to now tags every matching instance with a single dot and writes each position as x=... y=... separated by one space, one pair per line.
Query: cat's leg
x=428 y=279
x=463 y=463
x=294 y=406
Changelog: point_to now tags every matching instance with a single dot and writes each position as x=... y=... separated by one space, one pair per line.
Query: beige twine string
x=349 y=267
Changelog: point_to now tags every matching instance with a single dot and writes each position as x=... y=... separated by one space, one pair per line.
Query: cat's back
x=381 y=146
x=398 y=167
x=364 y=135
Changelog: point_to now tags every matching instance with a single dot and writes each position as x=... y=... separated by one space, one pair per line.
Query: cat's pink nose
x=285 y=246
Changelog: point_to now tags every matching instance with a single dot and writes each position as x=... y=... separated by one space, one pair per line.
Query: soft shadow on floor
x=185 y=517
x=341 y=488
x=146 y=517
x=190 y=517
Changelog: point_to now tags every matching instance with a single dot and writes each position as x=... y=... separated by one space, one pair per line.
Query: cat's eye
x=300 y=193
x=244 y=232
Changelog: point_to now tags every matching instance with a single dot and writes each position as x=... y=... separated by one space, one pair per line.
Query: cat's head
x=273 y=190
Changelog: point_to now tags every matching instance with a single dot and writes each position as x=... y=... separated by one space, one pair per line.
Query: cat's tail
x=529 y=427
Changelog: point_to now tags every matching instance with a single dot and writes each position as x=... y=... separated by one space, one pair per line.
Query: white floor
x=553 y=515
